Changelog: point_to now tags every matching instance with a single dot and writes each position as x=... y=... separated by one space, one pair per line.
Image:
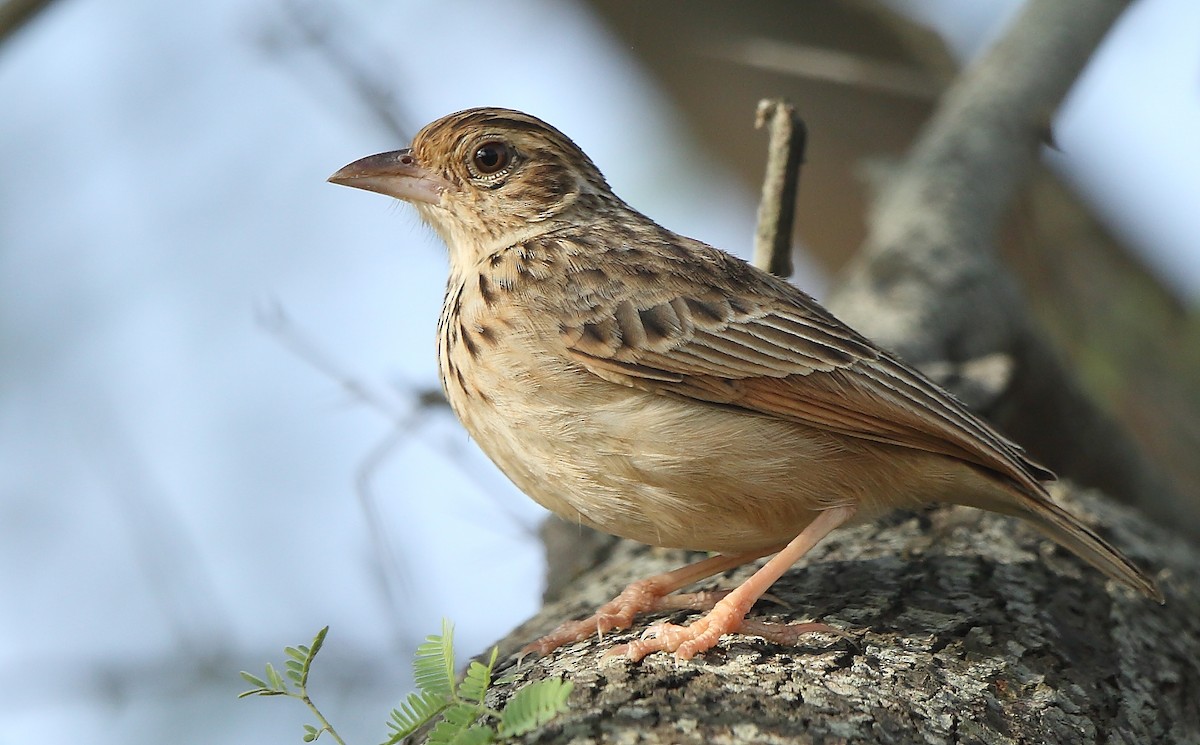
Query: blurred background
x=216 y=433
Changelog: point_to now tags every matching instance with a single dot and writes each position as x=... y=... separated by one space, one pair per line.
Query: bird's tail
x=1066 y=530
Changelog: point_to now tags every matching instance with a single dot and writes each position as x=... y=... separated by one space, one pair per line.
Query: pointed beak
x=396 y=174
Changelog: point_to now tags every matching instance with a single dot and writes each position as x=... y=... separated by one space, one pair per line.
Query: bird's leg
x=728 y=615
x=650 y=594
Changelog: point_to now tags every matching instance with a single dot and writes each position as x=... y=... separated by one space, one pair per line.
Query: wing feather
x=768 y=348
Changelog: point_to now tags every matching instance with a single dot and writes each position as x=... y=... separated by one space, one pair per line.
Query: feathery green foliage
x=296 y=670
x=454 y=710
x=460 y=705
x=433 y=666
x=533 y=706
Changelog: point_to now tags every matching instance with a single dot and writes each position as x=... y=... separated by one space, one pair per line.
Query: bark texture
x=969 y=628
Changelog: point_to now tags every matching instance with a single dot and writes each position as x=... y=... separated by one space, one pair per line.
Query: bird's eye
x=491 y=158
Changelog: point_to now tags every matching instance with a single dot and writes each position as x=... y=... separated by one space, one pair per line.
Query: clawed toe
x=685 y=642
x=576 y=631
x=614 y=615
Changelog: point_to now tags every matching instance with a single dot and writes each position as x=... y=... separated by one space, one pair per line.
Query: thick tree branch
x=927 y=283
x=970 y=628
x=930 y=251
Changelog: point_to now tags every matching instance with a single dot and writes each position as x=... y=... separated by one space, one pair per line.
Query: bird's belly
x=669 y=472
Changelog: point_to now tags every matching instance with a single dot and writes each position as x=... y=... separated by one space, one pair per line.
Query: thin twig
x=777 y=208
x=275 y=321
x=324 y=29
x=405 y=421
x=407 y=415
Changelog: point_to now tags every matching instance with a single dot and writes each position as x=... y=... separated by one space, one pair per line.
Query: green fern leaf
x=461 y=715
x=456 y=720
x=534 y=705
x=478 y=679
x=474 y=735
x=512 y=676
x=317 y=643
x=433 y=665
x=414 y=712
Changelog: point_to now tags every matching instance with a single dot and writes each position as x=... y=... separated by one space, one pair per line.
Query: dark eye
x=491 y=157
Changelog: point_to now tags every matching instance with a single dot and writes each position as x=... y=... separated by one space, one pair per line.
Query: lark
x=651 y=386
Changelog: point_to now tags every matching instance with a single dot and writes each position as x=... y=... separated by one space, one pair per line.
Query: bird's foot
x=640 y=597
x=702 y=634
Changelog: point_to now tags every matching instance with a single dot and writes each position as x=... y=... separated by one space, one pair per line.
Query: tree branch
x=927 y=283
x=777 y=207
x=969 y=628
x=14 y=14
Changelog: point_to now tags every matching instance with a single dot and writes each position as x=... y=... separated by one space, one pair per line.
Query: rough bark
x=969 y=628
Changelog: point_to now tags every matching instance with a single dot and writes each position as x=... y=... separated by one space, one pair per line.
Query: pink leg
x=728 y=615
x=645 y=595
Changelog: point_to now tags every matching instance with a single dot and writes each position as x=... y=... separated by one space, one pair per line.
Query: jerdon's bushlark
x=654 y=387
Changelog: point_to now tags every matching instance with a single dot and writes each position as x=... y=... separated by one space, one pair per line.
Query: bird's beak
x=396 y=174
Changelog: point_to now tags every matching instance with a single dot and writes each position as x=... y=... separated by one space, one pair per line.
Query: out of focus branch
x=323 y=28
x=408 y=410
x=929 y=257
x=927 y=282
x=16 y=13
x=831 y=66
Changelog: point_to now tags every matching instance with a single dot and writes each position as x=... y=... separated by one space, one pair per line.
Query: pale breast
x=658 y=469
x=522 y=408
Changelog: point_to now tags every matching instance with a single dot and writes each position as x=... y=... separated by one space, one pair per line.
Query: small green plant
x=296 y=670
x=460 y=704
x=456 y=708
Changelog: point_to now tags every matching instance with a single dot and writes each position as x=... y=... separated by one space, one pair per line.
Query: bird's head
x=484 y=178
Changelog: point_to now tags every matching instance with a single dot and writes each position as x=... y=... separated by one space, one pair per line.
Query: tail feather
x=1066 y=530
x=1037 y=508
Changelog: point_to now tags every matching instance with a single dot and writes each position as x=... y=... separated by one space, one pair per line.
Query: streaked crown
x=507 y=172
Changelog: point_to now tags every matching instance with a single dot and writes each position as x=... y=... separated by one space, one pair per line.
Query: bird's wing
x=727 y=337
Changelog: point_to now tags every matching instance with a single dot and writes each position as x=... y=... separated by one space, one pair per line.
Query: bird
x=653 y=387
